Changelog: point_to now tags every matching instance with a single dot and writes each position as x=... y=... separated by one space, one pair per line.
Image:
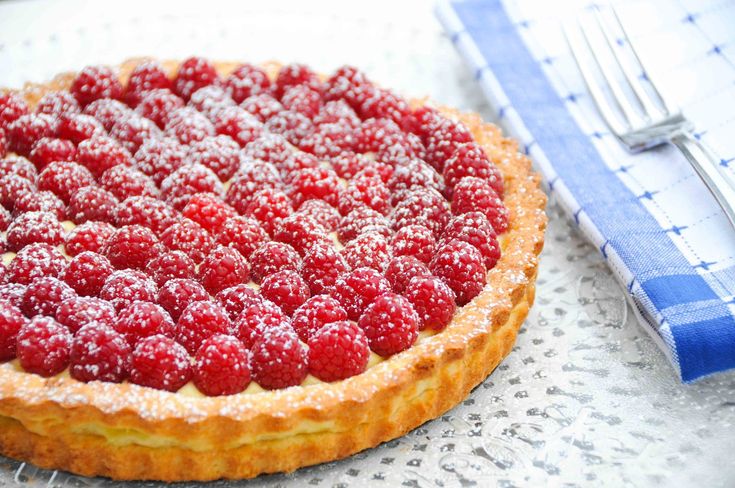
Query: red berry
x=178 y=293
x=278 y=359
x=158 y=158
x=221 y=366
x=79 y=127
x=246 y=80
x=461 y=266
x=301 y=233
x=48 y=149
x=187 y=125
x=286 y=289
x=412 y=174
x=156 y=105
x=358 y=289
x=262 y=106
x=269 y=207
x=474 y=194
x=211 y=100
x=433 y=300
x=5 y=219
x=95 y=82
x=269 y=148
x=132 y=129
x=12 y=106
x=220 y=153
x=314 y=183
x=382 y=103
x=321 y=267
x=44 y=347
x=475 y=229
x=443 y=137
x=323 y=213
x=124 y=181
x=347 y=83
x=12 y=293
x=295 y=162
x=421 y=121
x=99 y=353
x=92 y=203
x=143 y=319
x=170 y=265
x=369 y=192
x=63 y=178
x=257 y=318
x=188 y=236
x=146 y=211
x=360 y=220
x=470 y=160
x=43 y=201
x=90 y=236
x=132 y=246
x=315 y=313
x=199 y=321
x=243 y=234
x=413 y=240
x=27 y=129
x=294 y=126
x=35 y=261
x=402 y=269
x=272 y=257
x=193 y=74
x=369 y=249
x=222 y=268
x=159 y=362
x=391 y=324
x=124 y=287
x=236 y=298
x=337 y=112
x=187 y=181
x=44 y=295
x=11 y=321
x=146 y=76
x=209 y=211
x=422 y=206
x=252 y=177
x=239 y=124
x=337 y=351
x=373 y=133
x=107 y=111
x=87 y=272
x=302 y=99
x=74 y=313
x=12 y=187
x=19 y=166
x=32 y=227
x=101 y=153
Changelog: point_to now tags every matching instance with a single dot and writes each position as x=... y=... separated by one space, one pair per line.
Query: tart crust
x=128 y=432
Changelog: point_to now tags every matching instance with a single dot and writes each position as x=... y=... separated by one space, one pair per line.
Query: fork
x=638 y=121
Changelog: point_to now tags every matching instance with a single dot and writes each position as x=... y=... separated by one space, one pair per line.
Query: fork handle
x=707 y=168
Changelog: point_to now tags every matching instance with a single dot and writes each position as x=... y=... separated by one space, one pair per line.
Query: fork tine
x=608 y=114
x=649 y=108
x=668 y=108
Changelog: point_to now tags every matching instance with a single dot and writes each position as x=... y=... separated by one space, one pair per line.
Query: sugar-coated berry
x=358 y=289
x=178 y=293
x=315 y=313
x=461 y=267
x=199 y=321
x=237 y=298
x=337 y=351
x=75 y=313
x=433 y=300
x=44 y=295
x=402 y=269
x=221 y=366
x=87 y=273
x=11 y=320
x=100 y=353
x=44 y=347
x=286 y=289
x=161 y=363
x=278 y=359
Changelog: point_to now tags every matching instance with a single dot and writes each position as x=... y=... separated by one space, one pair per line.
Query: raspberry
x=12 y=187
x=79 y=127
x=473 y=194
x=315 y=313
x=211 y=100
x=99 y=353
x=269 y=148
x=337 y=351
x=301 y=232
x=322 y=212
x=193 y=74
x=236 y=298
x=159 y=362
x=302 y=99
x=420 y=121
x=44 y=347
x=189 y=180
x=433 y=300
x=272 y=257
x=358 y=289
x=257 y=318
x=422 y=206
x=11 y=321
x=286 y=289
x=27 y=129
x=132 y=129
x=370 y=192
x=251 y=178
x=239 y=124
x=187 y=125
x=391 y=324
x=101 y=153
x=321 y=267
x=12 y=293
x=246 y=80
x=243 y=234
x=3 y=144
x=475 y=229
x=294 y=126
x=146 y=211
x=156 y=105
x=124 y=287
x=170 y=265
x=414 y=240
x=314 y=183
x=178 y=293
x=296 y=161
x=48 y=149
x=90 y=236
x=63 y=178
x=221 y=366
x=278 y=359
x=132 y=246
x=92 y=203
x=337 y=112
x=443 y=139
x=269 y=207
x=262 y=106
x=35 y=261
x=107 y=111
x=220 y=153
x=382 y=103
x=19 y=166
x=209 y=211
x=402 y=269
x=145 y=77
x=123 y=182
x=293 y=75
x=373 y=133
x=189 y=237
x=43 y=201
x=5 y=219
x=461 y=267
x=12 y=106
x=32 y=227
x=199 y=321
x=360 y=220
x=87 y=272
x=74 y=313
x=415 y=173
x=222 y=268
x=95 y=82
x=347 y=83
x=158 y=158
x=369 y=249
x=44 y=295
x=143 y=319
x=470 y=160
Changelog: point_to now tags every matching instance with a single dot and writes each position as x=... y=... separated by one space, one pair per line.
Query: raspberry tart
x=218 y=270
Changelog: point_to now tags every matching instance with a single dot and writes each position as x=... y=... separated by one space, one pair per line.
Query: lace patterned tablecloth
x=585 y=398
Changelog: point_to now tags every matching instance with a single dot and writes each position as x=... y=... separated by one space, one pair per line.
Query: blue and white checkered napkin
x=661 y=232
